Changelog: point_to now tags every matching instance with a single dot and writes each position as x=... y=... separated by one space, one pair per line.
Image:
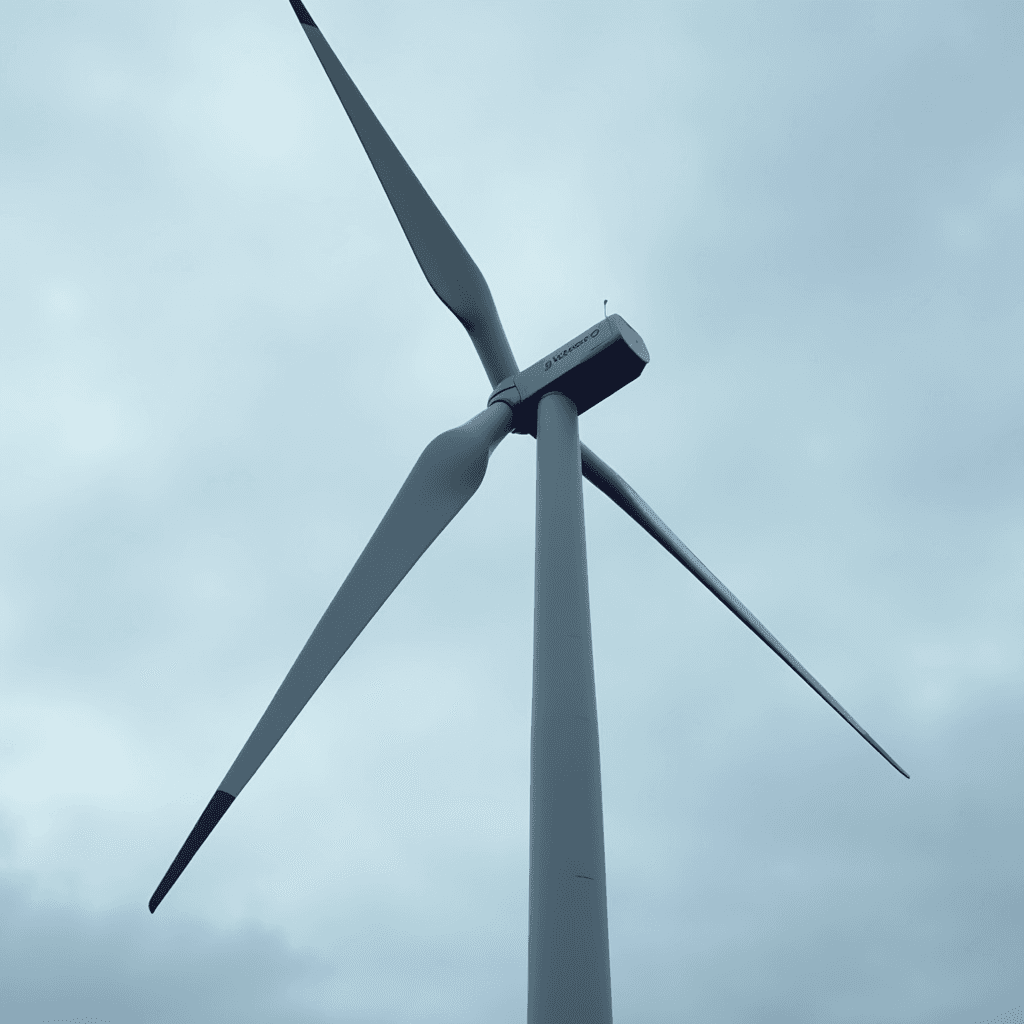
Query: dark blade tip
x=215 y=810
x=890 y=760
x=301 y=13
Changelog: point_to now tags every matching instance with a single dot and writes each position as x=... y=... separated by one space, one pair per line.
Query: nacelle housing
x=594 y=365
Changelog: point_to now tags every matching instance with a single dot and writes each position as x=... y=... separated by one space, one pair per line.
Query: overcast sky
x=218 y=361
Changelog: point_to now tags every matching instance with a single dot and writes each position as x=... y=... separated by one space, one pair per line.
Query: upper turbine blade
x=444 y=478
x=604 y=478
x=449 y=269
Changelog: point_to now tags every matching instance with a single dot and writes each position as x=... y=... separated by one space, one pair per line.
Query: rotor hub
x=594 y=365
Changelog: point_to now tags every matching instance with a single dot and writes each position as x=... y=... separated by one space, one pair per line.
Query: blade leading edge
x=605 y=479
x=444 y=478
x=447 y=266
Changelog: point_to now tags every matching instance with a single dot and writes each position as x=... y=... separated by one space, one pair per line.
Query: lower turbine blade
x=444 y=478
x=605 y=479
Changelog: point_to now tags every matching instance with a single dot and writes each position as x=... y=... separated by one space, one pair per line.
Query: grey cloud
x=219 y=361
x=63 y=962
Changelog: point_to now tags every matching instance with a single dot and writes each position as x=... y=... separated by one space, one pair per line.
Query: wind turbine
x=569 y=973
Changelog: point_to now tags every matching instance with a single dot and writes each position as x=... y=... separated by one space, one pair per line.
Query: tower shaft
x=569 y=970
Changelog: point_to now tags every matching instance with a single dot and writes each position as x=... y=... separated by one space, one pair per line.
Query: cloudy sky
x=218 y=361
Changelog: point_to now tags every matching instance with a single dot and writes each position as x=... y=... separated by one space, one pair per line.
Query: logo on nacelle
x=548 y=363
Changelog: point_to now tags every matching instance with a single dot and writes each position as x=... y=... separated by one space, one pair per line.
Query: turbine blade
x=605 y=479
x=447 y=266
x=444 y=478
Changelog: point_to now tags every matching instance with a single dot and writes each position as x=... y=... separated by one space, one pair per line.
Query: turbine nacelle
x=594 y=365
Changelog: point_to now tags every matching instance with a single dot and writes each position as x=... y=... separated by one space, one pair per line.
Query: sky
x=219 y=360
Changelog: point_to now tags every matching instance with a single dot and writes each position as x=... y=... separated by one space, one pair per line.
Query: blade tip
x=215 y=810
x=893 y=763
x=301 y=13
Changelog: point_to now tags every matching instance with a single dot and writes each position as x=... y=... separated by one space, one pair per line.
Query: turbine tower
x=569 y=972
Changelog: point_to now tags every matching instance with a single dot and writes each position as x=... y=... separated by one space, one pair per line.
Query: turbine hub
x=594 y=365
